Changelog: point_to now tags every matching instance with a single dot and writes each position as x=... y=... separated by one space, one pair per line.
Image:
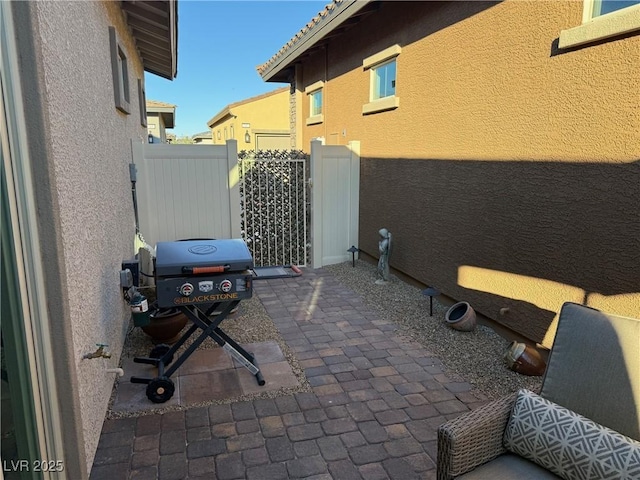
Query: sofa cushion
x=509 y=467
x=568 y=444
x=595 y=354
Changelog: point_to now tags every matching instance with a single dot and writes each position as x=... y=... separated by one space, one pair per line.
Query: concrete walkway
x=376 y=403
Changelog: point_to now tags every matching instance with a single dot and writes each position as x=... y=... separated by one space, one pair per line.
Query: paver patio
x=377 y=398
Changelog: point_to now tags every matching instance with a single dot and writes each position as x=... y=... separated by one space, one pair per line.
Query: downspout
x=324 y=92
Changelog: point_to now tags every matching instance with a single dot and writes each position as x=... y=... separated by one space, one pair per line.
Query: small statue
x=384 y=248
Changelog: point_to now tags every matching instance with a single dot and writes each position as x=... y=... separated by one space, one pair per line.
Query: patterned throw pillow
x=568 y=444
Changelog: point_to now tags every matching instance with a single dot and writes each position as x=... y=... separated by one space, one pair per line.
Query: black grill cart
x=199 y=277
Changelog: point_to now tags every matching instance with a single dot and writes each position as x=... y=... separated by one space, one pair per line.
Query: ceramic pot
x=461 y=317
x=525 y=359
x=165 y=325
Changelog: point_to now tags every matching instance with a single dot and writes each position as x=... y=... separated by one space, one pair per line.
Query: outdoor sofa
x=583 y=425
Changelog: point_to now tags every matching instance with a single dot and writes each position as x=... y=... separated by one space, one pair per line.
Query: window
x=142 y=103
x=120 y=72
x=602 y=19
x=316 y=103
x=602 y=7
x=314 y=91
x=382 y=80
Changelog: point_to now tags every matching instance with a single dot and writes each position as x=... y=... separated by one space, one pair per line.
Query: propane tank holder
x=139 y=305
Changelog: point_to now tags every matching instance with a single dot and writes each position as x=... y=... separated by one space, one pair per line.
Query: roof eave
x=169 y=119
x=222 y=114
x=154 y=26
x=168 y=115
x=277 y=72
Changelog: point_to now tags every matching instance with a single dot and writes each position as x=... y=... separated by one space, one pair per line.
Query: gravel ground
x=476 y=357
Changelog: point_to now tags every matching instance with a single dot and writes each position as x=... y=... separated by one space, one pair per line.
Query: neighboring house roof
x=154 y=25
x=333 y=20
x=165 y=110
x=202 y=135
x=157 y=104
x=226 y=111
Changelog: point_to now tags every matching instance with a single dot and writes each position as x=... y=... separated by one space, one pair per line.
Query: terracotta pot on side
x=165 y=326
x=461 y=317
x=524 y=359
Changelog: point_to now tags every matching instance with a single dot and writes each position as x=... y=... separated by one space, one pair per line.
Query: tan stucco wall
x=509 y=173
x=85 y=196
x=268 y=113
x=155 y=127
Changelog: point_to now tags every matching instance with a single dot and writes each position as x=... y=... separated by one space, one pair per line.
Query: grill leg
x=210 y=328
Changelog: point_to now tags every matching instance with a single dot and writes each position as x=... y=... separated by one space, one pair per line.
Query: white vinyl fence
x=194 y=191
x=187 y=191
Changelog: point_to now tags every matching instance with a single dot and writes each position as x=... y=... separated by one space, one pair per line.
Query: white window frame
x=120 y=72
x=310 y=91
x=380 y=59
x=601 y=27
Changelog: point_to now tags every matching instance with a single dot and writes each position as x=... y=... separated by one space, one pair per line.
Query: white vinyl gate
x=335 y=197
x=194 y=191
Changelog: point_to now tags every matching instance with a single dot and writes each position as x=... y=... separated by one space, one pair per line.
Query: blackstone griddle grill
x=199 y=277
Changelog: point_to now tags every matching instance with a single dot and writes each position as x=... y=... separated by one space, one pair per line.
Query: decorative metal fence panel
x=274 y=206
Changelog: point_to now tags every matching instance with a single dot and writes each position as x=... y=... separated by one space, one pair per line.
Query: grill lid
x=202 y=256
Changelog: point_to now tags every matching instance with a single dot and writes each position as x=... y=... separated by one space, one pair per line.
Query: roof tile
x=302 y=33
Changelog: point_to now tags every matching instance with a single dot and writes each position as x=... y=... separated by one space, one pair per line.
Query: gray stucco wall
x=158 y=130
x=81 y=152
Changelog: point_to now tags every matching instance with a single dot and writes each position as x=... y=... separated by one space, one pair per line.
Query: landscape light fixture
x=247 y=137
x=431 y=292
x=353 y=251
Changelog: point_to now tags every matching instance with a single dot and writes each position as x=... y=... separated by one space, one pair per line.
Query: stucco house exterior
x=500 y=144
x=72 y=104
x=257 y=123
x=160 y=116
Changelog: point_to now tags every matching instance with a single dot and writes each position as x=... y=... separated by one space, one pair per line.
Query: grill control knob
x=225 y=286
x=186 y=289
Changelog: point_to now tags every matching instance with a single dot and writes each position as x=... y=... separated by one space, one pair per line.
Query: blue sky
x=220 y=43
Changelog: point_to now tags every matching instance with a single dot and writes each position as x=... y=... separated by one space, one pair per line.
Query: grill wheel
x=160 y=389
